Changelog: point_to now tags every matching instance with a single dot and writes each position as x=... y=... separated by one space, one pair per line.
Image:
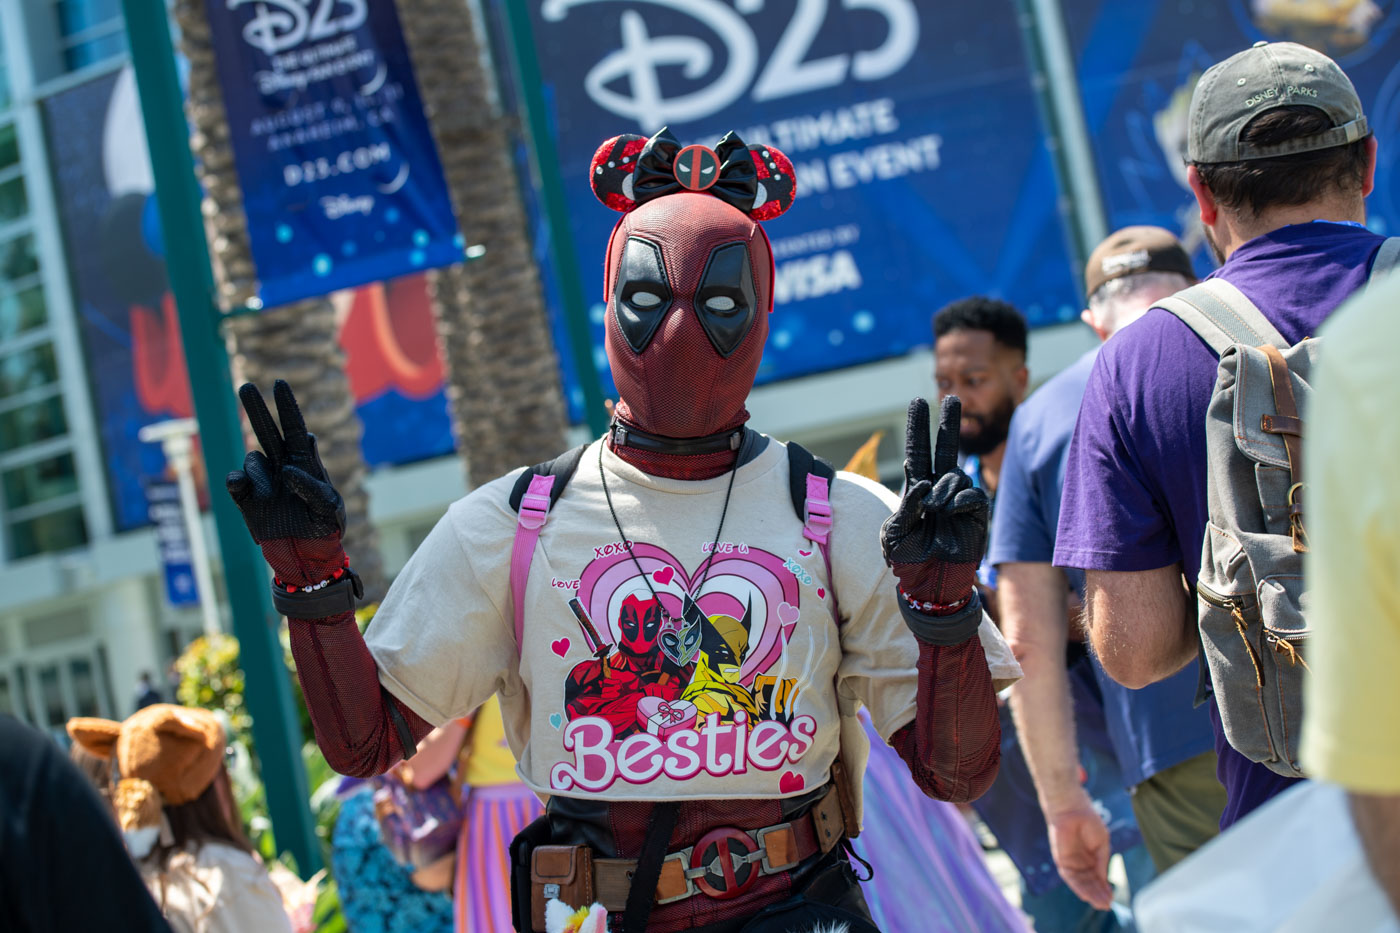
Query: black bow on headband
x=628 y=171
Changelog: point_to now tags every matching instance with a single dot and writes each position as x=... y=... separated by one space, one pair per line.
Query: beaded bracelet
x=928 y=606
x=313 y=587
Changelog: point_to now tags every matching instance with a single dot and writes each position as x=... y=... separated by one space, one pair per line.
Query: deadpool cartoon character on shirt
x=612 y=687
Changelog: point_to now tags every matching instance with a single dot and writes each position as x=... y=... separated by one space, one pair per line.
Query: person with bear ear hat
x=175 y=808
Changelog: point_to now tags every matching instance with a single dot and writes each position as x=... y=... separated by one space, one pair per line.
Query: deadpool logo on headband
x=628 y=171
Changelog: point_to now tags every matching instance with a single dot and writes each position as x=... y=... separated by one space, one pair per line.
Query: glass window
x=84 y=687
x=56 y=531
x=77 y=15
x=28 y=369
x=14 y=202
x=18 y=258
x=32 y=423
x=22 y=311
x=43 y=479
x=51 y=695
x=90 y=52
x=9 y=140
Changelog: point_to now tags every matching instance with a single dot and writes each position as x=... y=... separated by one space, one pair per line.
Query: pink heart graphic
x=560 y=646
x=821 y=592
x=791 y=783
x=788 y=613
x=804 y=553
x=664 y=575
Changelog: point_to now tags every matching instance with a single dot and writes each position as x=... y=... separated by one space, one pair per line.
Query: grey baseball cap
x=1269 y=75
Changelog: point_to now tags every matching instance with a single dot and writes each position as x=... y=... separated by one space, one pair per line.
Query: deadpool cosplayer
x=682 y=618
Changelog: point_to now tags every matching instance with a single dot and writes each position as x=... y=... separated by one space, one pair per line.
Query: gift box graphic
x=662 y=717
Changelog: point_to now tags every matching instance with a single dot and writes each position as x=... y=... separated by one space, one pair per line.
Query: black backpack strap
x=563 y=466
x=801 y=463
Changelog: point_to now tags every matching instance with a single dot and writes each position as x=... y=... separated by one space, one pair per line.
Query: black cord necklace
x=622 y=535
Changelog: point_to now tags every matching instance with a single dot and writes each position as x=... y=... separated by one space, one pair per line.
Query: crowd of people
x=1111 y=617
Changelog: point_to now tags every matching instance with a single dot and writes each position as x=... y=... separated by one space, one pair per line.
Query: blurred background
x=941 y=150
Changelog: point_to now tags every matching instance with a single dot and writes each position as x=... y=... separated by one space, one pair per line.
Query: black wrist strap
x=944 y=631
x=331 y=600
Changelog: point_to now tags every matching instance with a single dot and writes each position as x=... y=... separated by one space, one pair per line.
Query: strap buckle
x=534 y=505
x=761 y=837
x=683 y=859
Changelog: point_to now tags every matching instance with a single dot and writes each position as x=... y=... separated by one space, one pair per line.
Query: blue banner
x=1138 y=63
x=341 y=180
x=173 y=542
x=126 y=314
x=921 y=169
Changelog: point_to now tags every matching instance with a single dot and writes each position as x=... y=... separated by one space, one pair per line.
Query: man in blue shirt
x=1163 y=745
x=980 y=356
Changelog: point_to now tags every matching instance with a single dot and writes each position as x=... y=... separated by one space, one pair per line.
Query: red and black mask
x=639 y=623
x=689 y=277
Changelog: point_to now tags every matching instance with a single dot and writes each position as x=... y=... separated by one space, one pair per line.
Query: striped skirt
x=481 y=895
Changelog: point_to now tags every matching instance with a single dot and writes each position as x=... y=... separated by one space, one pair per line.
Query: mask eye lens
x=720 y=304
x=644 y=299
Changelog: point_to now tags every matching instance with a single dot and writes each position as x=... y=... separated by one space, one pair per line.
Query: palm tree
x=296 y=342
x=504 y=394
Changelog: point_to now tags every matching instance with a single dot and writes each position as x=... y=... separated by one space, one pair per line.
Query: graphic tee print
x=642 y=674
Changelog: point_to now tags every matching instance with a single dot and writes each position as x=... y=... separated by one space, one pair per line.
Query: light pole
x=176 y=440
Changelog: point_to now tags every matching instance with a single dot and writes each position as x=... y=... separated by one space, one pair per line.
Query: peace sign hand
x=942 y=517
x=283 y=490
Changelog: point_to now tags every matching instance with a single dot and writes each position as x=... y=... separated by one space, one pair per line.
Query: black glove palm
x=287 y=500
x=941 y=517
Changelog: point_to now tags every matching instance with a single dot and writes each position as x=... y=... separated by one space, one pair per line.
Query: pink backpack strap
x=816 y=527
x=534 y=512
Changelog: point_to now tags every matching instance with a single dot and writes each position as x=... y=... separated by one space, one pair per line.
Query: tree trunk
x=297 y=342
x=503 y=392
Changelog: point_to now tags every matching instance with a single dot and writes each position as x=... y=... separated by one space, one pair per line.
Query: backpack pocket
x=1284 y=640
x=1256 y=669
x=1274 y=483
x=1231 y=637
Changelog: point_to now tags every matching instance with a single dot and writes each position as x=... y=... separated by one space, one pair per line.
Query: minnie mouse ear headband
x=628 y=171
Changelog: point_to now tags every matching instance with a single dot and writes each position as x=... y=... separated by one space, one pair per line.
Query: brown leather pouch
x=563 y=872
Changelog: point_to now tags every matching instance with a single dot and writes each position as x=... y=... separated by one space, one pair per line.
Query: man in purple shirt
x=1280 y=161
x=1164 y=747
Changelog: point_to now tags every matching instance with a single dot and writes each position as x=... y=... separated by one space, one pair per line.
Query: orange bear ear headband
x=96 y=736
x=628 y=171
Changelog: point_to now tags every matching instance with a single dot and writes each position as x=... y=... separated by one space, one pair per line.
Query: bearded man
x=690 y=822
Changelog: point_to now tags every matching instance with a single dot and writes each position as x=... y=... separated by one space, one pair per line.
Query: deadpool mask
x=639 y=623
x=689 y=277
x=690 y=285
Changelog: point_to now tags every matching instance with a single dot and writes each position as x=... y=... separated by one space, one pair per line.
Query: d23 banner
x=341 y=180
x=1139 y=62
x=921 y=172
x=130 y=331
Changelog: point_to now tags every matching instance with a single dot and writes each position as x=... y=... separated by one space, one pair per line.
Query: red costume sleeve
x=350 y=710
x=953 y=746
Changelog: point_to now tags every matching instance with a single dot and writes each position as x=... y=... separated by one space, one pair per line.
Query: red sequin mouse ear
x=776 y=181
x=613 y=171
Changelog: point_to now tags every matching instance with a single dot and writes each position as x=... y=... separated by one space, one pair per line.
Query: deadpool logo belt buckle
x=725 y=863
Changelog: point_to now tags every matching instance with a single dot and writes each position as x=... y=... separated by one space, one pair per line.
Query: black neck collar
x=624 y=435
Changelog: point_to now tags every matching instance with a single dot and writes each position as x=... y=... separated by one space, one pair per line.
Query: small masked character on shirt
x=611 y=688
x=715 y=687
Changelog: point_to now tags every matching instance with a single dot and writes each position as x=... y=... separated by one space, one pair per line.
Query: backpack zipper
x=1236 y=606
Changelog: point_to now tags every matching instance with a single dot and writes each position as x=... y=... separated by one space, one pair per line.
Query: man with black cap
x=1163 y=747
x=1281 y=160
